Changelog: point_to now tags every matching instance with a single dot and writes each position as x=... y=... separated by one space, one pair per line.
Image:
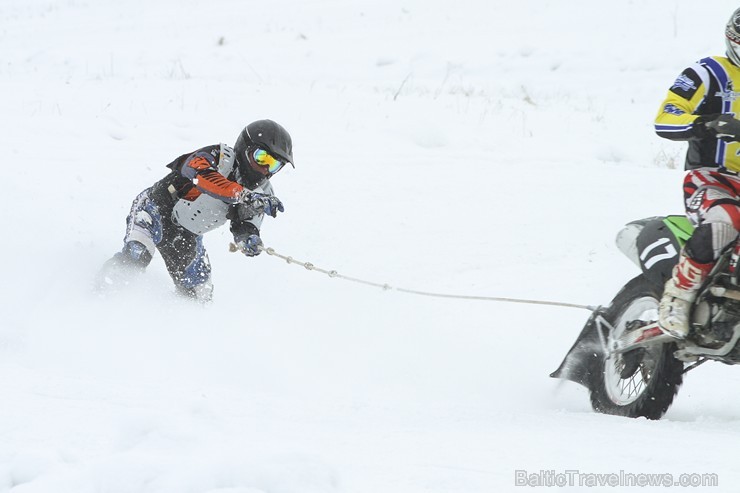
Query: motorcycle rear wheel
x=641 y=382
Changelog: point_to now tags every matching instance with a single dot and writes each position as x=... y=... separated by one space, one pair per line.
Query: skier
x=203 y=190
x=700 y=109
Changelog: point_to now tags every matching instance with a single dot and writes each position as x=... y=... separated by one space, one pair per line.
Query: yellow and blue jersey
x=702 y=91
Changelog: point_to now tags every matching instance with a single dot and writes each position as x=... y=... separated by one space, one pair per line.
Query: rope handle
x=387 y=287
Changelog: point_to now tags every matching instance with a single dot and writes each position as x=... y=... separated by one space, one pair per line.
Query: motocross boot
x=679 y=294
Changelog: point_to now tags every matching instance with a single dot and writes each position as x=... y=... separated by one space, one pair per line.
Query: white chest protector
x=206 y=213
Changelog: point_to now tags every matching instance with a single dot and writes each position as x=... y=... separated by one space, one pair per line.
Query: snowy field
x=475 y=147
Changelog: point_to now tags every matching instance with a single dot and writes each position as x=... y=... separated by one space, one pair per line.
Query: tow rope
x=387 y=287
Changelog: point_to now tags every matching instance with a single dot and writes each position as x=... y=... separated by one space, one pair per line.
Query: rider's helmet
x=732 y=37
x=262 y=149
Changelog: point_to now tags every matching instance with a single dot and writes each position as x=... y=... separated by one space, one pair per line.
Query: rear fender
x=654 y=244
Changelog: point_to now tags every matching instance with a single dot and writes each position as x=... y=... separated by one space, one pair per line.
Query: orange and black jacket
x=197 y=173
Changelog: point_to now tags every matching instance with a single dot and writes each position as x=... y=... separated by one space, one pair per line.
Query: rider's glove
x=270 y=204
x=724 y=127
x=244 y=196
x=250 y=245
x=261 y=203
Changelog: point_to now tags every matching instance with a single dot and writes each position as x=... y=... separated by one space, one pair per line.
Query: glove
x=724 y=127
x=269 y=204
x=250 y=245
x=258 y=203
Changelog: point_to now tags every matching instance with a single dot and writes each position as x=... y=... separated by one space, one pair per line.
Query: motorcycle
x=628 y=364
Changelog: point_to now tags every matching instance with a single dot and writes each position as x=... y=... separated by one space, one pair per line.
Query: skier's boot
x=123 y=267
x=202 y=293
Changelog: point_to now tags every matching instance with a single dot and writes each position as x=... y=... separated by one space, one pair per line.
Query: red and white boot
x=679 y=294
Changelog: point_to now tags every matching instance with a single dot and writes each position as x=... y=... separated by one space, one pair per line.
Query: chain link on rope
x=387 y=287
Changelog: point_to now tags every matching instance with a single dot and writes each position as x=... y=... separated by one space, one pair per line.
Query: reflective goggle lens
x=263 y=158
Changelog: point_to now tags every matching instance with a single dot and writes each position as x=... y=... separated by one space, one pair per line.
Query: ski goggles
x=264 y=159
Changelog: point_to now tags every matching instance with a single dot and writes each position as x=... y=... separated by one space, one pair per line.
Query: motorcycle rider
x=203 y=190
x=700 y=108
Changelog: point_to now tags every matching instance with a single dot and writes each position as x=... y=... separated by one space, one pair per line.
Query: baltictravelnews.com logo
x=575 y=477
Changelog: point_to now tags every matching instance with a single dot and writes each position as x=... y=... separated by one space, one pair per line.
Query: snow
x=489 y=148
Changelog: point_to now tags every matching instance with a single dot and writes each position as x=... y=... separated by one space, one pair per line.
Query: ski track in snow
x=481 y=148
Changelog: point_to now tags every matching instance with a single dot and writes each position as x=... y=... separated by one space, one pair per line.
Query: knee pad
x=144 y=223
x=198 y=271
x=709 y=241
x=195 y=281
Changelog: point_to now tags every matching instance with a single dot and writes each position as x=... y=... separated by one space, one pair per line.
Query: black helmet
x=732 y=37
x=266 y=135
